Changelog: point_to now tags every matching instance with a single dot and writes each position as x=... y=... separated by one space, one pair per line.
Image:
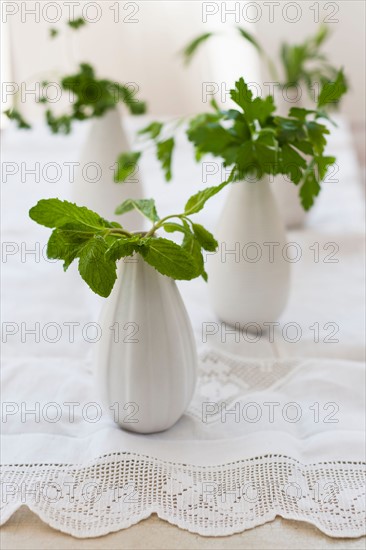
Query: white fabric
x=307 y=470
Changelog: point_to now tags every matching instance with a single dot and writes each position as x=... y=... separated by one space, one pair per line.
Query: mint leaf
x=145 y=206
x=153 y=130
x=169 y=259
x=122 y=247
x=193 y=46
x=191 y=245
x=331 y=92
x=171 y=227
x=164 y=151
x=56 y=213
x=15 y=115
x=65 y=243
x=198 y=201
x=95 y=268
x=76 y=23
x=204 y=237
x=126 y=164
x=250 y=38
x=53 y=33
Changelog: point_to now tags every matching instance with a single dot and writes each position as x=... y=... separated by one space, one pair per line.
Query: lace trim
x=118 y=490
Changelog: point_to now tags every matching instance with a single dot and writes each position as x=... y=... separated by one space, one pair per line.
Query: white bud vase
x=249 y=276
x=289 y=204
x=147 y=360
x=94 y=184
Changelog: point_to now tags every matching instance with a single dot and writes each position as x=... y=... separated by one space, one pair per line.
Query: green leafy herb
x=191 y=48
x=152 y=130
x=79 y=233
x=145 y=206
x=164 y=153
x=301 y=64
x=204 y=237
x=92 y=96
x=76 y=23
x=170 y=259
x=255 y=142
x=57 y=213
x=15 y=115
x=250 y=38
x=97 y=270
x=198 y=201
x=126 y=165
x=332 y=91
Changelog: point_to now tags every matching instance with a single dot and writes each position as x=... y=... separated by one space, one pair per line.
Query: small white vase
x=287 y=197
x=249 y=276
x=147 y=375
x=94 y=184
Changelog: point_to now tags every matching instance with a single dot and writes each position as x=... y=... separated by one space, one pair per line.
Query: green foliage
x=191 y=49
x=250 y=38
x=126 y=165
x=333 y=91
x=301 y=64
x=204 y=237
x=146 y=207
x=164 y=154
x=76 y=23
x=93 y=96
x=15 y=115
x=170 y=259
x=197 y=202
x=152 y=130
x=255 y=142
x=80 y=233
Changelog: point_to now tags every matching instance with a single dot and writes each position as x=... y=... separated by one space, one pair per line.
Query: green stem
x=161 y=222
x=119 y=231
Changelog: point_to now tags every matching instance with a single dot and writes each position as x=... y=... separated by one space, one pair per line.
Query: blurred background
x=140 y=42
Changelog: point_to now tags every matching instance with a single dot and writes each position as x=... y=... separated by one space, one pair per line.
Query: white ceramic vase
x=94 y=184
x=249 y=276
x=147 y=361
x=288 y=200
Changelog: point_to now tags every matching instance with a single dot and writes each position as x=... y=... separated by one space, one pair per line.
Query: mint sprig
x=93 y=97
x=81 y=234
x=253 y=141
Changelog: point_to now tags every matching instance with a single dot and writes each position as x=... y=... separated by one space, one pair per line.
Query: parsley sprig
x=80 y=233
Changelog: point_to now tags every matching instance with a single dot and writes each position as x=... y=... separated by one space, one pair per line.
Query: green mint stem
x=161 y=222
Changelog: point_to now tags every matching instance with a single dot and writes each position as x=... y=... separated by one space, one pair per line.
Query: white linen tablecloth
x=215 y=472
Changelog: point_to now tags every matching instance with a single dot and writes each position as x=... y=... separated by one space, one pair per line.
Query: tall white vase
x=287 y=196
x=94 y=186
x=249 y=276
x=146 y=376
